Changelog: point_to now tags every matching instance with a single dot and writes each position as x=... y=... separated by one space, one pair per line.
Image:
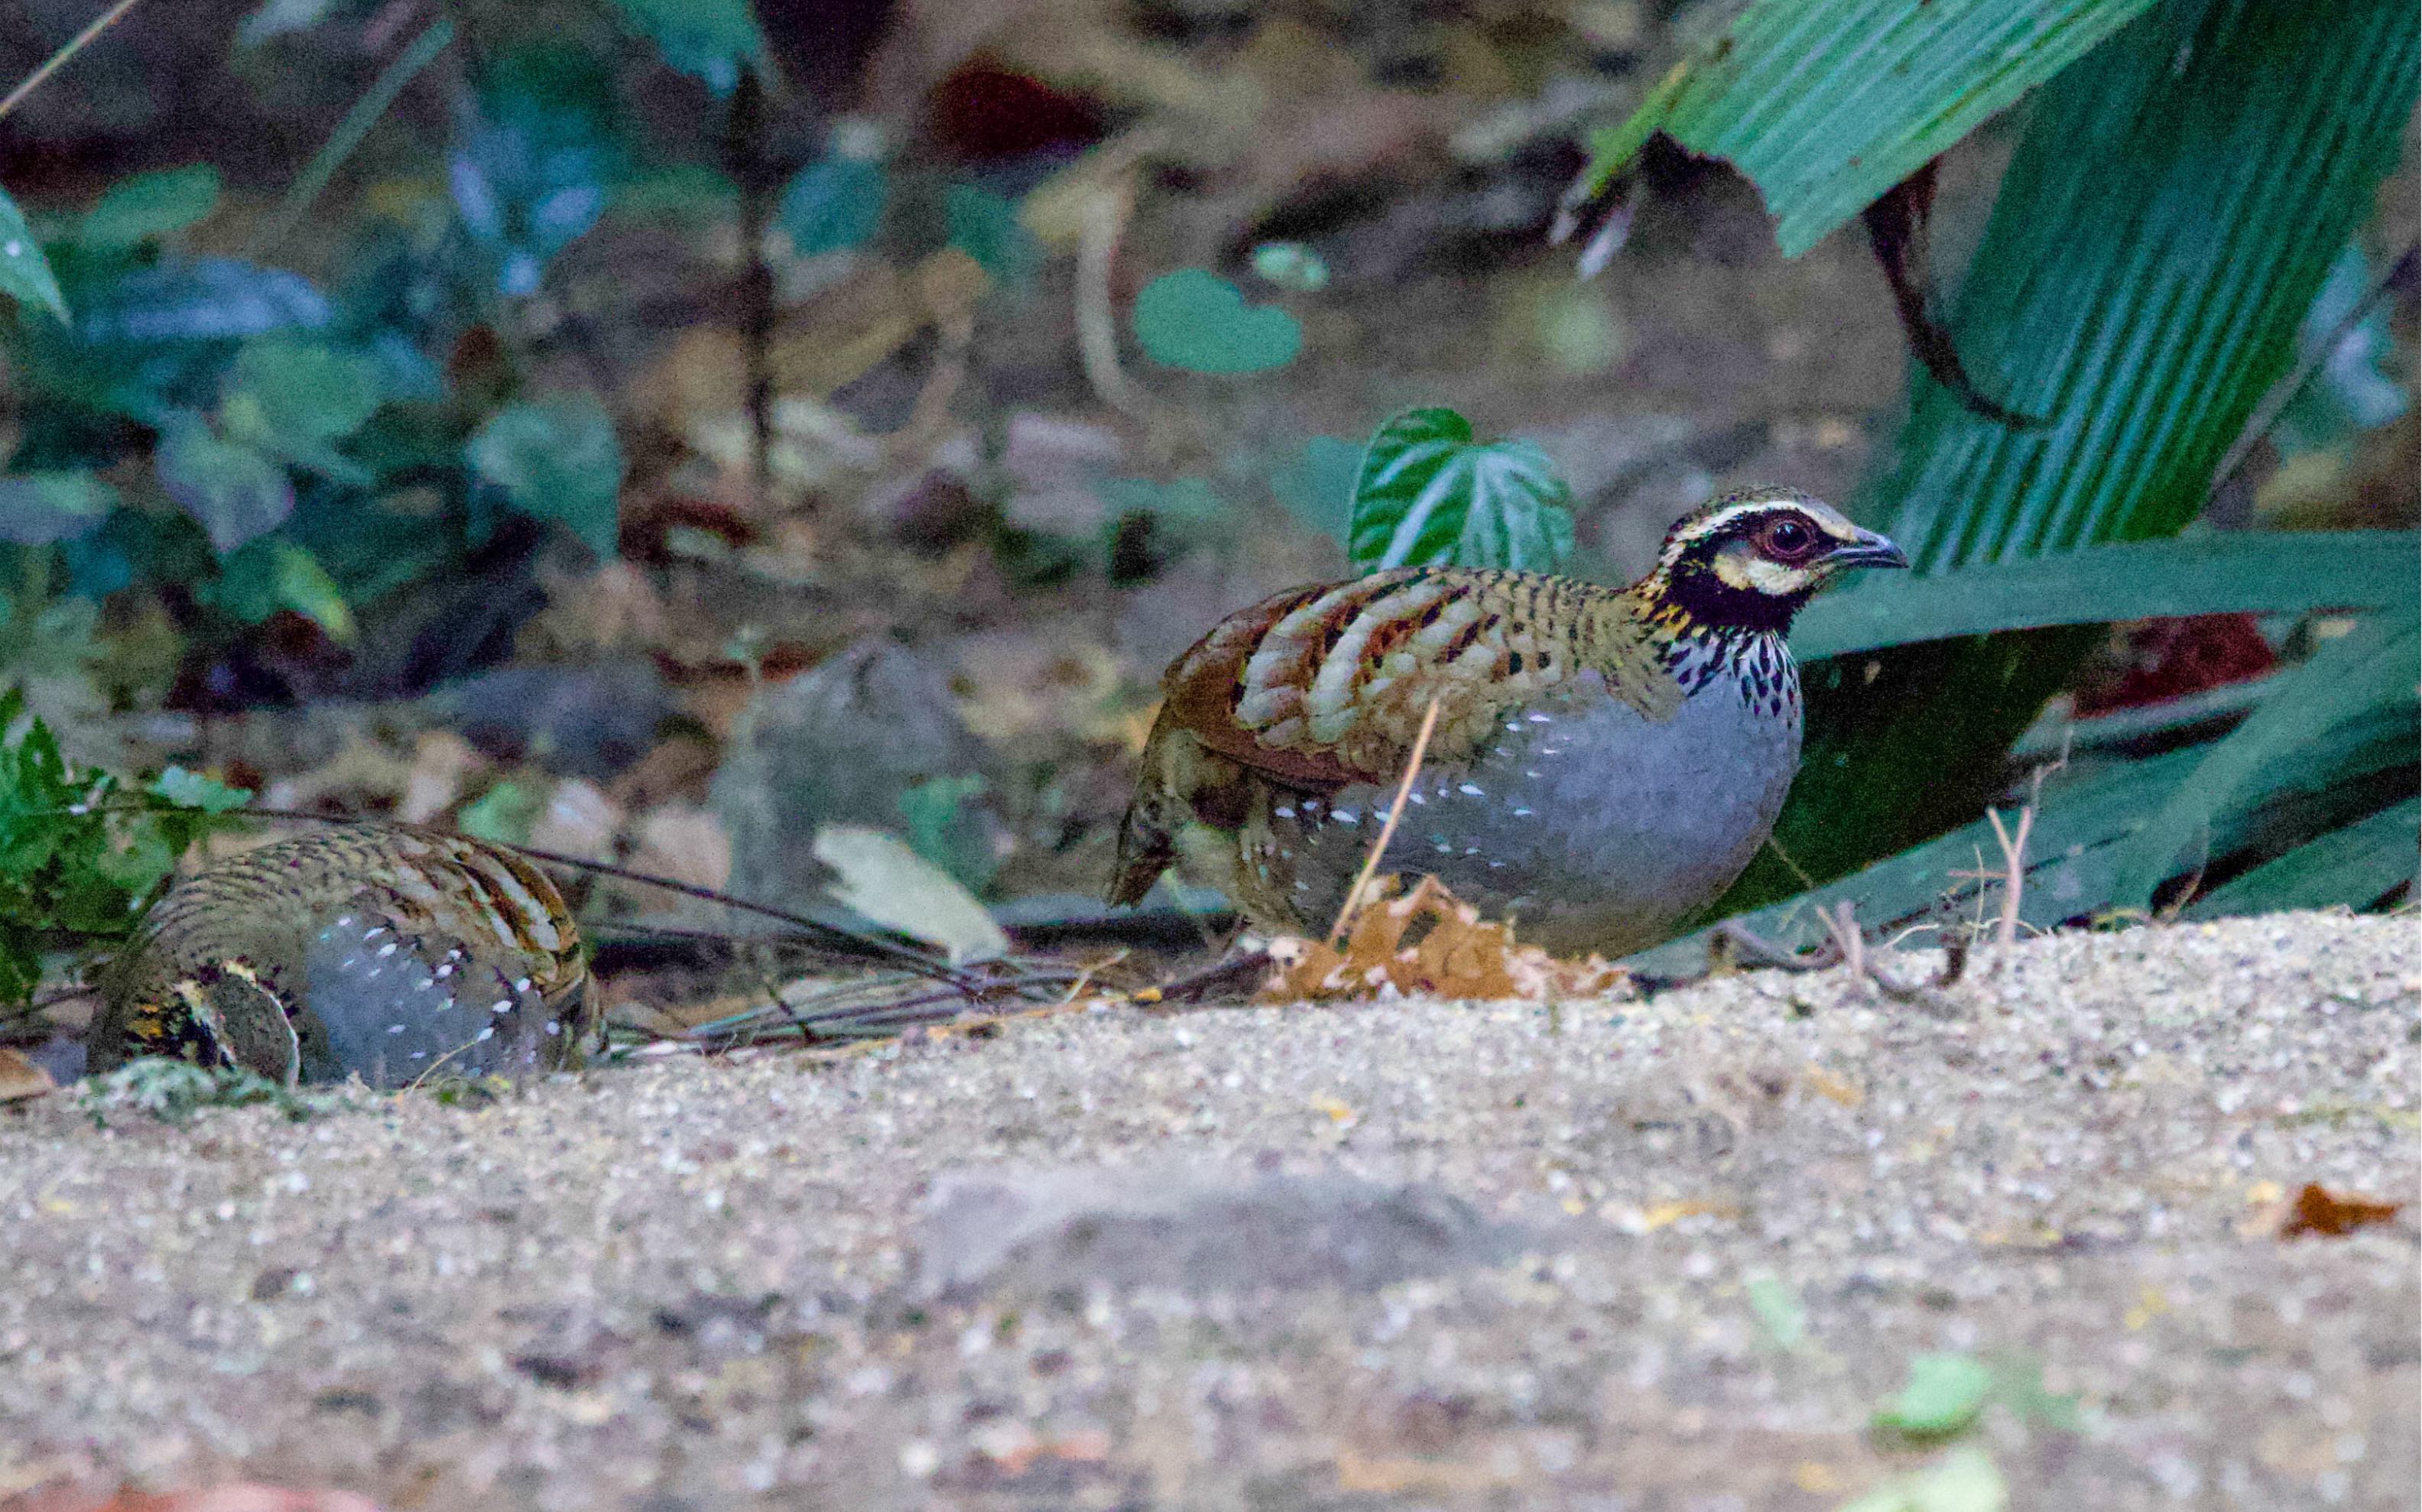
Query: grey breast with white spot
x=396 y=1007
x=1591 y=825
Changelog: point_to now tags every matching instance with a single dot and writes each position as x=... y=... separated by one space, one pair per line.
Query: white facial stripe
x=1824 y=516
x=1737 y=566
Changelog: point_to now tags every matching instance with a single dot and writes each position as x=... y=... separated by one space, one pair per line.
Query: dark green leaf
x=297 y=398
x=194 y=790
x=233 y=492
x=1944 y=1393
x=2372 y=668
x=1826 y=103
x=1429 y=493
x=987 y=228
x=2170 y=213
x=833 y=205
x=25 y=273
x=37 y=509
x=2353 y=866
x=2253 y=573
x=557 y=458
x=1195 y=320
x=2160 y=236
x=148 y=205
x=708 y=40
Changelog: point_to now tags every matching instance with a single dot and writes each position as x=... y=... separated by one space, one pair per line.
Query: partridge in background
x=1605 y=761
x=389 y=951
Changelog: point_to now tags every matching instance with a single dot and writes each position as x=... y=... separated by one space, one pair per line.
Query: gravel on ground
x=1634 y=1255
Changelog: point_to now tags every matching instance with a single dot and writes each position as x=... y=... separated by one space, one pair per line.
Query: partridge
x=1604 y=761
x=392 y=952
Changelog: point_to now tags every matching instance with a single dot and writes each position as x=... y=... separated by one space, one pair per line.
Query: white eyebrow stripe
x=1826 y=518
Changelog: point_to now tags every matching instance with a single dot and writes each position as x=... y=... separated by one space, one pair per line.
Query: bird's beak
x=1869 y=550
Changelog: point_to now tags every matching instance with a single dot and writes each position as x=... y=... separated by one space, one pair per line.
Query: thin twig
x=349 y=134
x=51 y=64
x=1388 y=830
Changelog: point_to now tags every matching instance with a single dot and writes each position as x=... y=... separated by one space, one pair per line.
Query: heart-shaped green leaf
x=1198 y=321
x=297 y=398
x=1429 y=495
x=557 y=458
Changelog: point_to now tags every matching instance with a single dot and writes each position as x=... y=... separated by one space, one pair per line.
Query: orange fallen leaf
x=1827 y=1085
x=2318 y=1211
x=1454 y=955
x=21 y=1078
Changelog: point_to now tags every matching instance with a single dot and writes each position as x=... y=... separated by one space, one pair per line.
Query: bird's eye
x=1788 y=539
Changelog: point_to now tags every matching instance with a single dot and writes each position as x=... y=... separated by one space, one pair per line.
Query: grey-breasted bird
x=389 y=951
x=1605 y=761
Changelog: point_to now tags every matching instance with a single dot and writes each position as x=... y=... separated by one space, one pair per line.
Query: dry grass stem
x=1386 y=831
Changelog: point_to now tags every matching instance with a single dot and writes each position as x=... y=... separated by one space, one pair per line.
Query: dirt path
x=1637 y=1256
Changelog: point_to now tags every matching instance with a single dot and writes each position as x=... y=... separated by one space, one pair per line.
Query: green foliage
x=557 y=459
x=233 y=490
x=173 y=1092
x=269 y=574
x=985 y=225
x=833 y=204
x=710 y=39
x=26 y=273
x=1963 y=1480
x=1429 y=493
x=2357 y=864
x=37 y=509
x=2165 y=227
x=1199 y=322
x=81 y=856
x=296 y=400
x=148 y=205
x=1826 y=104
x=2354 y=678
x=1942 y=1397
x=2246 y=572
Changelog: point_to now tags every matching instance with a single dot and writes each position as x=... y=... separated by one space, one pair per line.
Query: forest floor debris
x=1766 y=1241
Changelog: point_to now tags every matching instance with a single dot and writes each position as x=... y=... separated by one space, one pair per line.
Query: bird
x=1604 y=761
x=390 y=951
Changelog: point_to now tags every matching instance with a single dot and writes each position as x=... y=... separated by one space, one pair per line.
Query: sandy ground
x=1627 y=1256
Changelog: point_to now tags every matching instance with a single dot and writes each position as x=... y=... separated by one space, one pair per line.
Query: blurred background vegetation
x=653 y=429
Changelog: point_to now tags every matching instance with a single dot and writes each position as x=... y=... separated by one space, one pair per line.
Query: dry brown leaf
x=1456 y=955
x=21 y=1078
x=578 y=820
x=2316 y=1209
x=684 y=843
x=440 y=761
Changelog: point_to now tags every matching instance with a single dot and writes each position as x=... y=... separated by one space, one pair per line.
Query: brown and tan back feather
x=1322 y=688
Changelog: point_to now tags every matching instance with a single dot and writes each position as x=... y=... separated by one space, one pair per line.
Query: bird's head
x=1750 y=558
